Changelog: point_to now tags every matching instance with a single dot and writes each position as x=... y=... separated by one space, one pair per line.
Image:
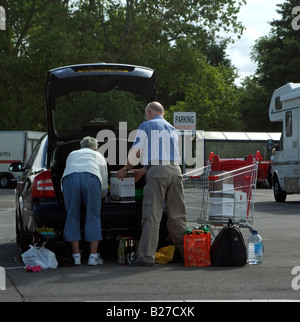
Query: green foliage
x=278 y=58
x=210 y=93
x=254 y=100
x=177 y=38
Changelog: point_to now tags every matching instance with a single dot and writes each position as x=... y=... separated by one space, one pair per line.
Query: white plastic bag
x=39 y=256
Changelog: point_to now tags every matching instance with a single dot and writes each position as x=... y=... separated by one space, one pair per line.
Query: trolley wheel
x=279 y=194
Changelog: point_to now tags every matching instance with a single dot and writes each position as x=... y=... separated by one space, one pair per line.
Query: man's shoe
x=95 y=260
x=139 y=262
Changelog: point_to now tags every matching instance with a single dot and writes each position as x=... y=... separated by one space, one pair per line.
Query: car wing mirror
x=16 y=167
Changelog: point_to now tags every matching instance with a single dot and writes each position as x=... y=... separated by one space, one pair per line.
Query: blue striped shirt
x=157 y=140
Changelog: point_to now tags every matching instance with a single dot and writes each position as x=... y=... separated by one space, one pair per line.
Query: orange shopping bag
x=197 y=244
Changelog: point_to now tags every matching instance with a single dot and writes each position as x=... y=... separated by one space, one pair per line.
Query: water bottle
x=255 y=249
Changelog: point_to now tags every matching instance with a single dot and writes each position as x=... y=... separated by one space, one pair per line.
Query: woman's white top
x=88 y=160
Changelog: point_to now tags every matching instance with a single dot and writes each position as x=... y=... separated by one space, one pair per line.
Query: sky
x=255 y=16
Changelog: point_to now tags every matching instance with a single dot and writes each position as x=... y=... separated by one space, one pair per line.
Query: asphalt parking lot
x=278 y=278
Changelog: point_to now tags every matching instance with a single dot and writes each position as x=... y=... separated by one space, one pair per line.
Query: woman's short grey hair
x=89 y=142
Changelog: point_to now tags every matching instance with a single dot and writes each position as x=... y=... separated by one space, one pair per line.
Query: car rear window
x=84 y=110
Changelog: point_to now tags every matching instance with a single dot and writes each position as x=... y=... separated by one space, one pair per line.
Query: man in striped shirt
x=156 y=146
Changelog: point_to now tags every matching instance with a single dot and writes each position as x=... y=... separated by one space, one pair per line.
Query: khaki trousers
x=163 y=182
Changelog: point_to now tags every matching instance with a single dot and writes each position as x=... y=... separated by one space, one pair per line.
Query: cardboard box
x=221 y=208
x=122 y=191
x=223 y=178
x=221 y=203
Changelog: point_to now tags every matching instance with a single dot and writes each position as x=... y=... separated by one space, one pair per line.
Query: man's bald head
x=154 y=109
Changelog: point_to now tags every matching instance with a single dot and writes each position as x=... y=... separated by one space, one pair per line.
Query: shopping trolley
x=215 y=197
x=196 y=191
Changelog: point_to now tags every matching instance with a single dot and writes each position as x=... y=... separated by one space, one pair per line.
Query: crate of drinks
x=126 y=250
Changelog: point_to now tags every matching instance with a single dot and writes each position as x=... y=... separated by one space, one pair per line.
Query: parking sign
x=185 y=121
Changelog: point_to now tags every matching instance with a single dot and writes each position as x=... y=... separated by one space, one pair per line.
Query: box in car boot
x=122 y=191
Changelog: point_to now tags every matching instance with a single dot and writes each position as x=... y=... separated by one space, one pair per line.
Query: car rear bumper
x=116 y=218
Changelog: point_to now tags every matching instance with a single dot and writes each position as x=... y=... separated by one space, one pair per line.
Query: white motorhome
x=15 y=146
x=285 y=108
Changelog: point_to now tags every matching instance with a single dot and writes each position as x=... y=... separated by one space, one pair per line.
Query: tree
x=23 y=80
x=277 y=54
x=211 y=93
x=278 y=58
x=253 y=102
x=42 y=35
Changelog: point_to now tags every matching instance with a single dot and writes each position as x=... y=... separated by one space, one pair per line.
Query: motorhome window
x=288 y=124
x=279 y=146
x=278 y=104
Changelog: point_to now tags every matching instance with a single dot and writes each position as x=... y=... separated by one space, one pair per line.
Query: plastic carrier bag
x=164 y=255
x=197 y=244
x=39 y=256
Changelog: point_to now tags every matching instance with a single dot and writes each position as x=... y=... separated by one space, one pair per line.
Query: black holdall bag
x=228 y=248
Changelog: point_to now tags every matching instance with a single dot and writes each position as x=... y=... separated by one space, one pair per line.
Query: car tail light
x=42 y=186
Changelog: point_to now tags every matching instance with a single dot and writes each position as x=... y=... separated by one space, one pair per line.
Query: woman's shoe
x=77 y=259
x=95 y=259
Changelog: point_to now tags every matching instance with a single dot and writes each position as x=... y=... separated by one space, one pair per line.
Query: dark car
x=106 y=101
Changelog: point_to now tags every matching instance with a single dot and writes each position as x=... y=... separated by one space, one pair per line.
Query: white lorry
x=285 y=108
x=15 y=146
